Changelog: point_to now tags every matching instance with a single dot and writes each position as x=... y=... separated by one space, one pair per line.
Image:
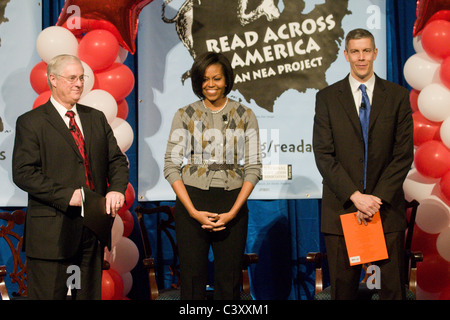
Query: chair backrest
x=165 y=226
x=15 y=243
x=413 y=205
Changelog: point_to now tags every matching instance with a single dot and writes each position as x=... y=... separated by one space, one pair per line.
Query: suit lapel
x=345 y=98
x=57 y=122
x=86 y=123
x=378 y=101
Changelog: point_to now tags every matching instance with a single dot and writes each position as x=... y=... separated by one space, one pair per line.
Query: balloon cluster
x=124 y=255
x=428 y=73
x=108 y=83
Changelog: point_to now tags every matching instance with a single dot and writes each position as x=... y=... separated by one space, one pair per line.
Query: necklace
x=215 y=111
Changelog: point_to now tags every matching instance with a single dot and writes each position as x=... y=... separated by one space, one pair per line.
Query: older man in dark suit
x=363 y=145
x=59 y=147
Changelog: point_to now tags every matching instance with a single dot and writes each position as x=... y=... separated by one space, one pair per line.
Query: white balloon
x=433 y=215
x=417 y=44
x=445 y=132
x=89 y=80
x=127 y=280
x=116 y=230
x=122 y=56
x=107 y=254
x=124 y=256
x=103 y=101
x=417 y=187
x=420 y=70
x=434 y=102
x=123 y=134
x=443 y=244
x=55 y=40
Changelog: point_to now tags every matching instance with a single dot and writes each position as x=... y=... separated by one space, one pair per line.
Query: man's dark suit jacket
x=339 y=151
x=48 y=166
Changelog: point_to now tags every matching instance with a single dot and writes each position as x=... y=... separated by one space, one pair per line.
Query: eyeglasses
x=73 y=79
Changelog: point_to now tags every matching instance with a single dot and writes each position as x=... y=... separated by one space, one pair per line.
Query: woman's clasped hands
x=211 y=221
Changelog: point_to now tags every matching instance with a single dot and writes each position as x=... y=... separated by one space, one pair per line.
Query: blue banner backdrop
x=279 y=66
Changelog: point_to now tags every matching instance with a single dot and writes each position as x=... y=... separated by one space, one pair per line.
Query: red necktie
x=78 y=137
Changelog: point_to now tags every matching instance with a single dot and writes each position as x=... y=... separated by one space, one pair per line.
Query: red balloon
x=444 y=183
x=118 y=80
x=129 y=196
x=436 y=39
x=424 y=242
x=445 y=294
x=118 y=284
x=123 y=15
x=444 y=72
x=129 y=199
x=128 y=222
x=413 y=97
x=112 y=285
x=433 y=273
x=42 y=98
x=107 y=286
x=424 y=129
x=122 y=109
x=432 y=159
x=99 y=49
x=428 y=9
x=38 y=77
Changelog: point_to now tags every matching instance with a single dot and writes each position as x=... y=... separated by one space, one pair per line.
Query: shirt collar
x=354 y=84
x=61 y=109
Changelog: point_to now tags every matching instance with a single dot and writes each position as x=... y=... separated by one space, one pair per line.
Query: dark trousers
x=344 y=279
x=47 y=279
x=194 y=243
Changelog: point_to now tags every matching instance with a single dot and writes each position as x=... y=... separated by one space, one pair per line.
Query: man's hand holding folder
x=364 y=243
x=367 y=206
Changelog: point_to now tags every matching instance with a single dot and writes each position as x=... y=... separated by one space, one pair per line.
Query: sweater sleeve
x=176 y=149
x=252 y=163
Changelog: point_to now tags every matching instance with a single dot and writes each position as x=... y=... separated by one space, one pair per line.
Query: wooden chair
x=15 y=241
x=173 y=293
x=19 y=273
x=411 y=259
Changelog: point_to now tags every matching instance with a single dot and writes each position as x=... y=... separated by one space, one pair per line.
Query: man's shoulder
x=36 y=112
x=92 y=112
x=336 y=86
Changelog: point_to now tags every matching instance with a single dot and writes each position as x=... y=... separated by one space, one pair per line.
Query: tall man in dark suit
x=49 y=165
x=356 y=179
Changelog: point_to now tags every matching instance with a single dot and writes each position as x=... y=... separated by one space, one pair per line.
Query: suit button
x=361 y=160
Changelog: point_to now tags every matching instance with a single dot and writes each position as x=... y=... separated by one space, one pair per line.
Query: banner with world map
x=282 y=53
x=20 y=24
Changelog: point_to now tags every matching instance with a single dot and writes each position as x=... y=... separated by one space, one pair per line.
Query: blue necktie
x=364 y=114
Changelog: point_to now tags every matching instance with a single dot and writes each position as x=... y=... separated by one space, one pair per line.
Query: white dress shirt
x=62 y=112
x=357 y=94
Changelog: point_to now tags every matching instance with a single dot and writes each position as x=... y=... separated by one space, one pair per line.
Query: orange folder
x=365 y=243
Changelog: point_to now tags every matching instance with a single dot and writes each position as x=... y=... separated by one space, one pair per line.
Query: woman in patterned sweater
x=212 y=162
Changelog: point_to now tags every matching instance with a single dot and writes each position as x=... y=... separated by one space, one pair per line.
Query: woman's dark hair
x=202 y=62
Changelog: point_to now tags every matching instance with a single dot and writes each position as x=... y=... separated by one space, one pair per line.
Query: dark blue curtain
x=281 y=232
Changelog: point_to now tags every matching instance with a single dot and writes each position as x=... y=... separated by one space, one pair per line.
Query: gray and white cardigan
x=196 y=140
